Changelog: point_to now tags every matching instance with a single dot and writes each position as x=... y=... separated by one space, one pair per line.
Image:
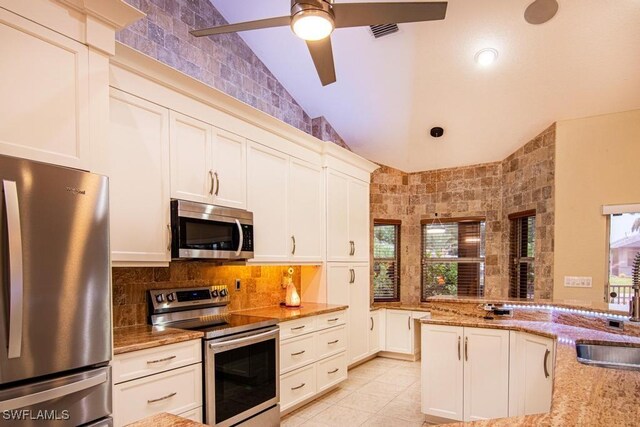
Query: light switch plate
x=578 y=282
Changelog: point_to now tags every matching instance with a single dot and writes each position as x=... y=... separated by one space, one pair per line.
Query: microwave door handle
x=241 y=238
x=16 y=282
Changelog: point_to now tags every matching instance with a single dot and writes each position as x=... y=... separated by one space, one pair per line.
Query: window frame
x=515 y=260
x=398 y=225
x=480 y=260
x=609 y=211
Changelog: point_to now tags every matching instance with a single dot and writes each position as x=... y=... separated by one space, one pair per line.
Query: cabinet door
x=267 y=179
x=359 y=219
x=399 y=331
x=533 y=374
x=358 y=313
x=305 y=211
x=136 y=160
x=338 y=278
x=229 y=169
x=45 y=94
x=374 y=332
x=338 y=247
x=191 y=175
x=442 y=371
x=486 y=374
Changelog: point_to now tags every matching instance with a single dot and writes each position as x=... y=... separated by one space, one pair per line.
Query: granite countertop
x=582 y=394
x=284 y=313
x=133 y=338
x=166 y=420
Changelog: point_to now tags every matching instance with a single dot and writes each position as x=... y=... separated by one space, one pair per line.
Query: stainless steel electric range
x=240 y=354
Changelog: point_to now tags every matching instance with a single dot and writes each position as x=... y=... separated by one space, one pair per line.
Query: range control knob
x=171 y=297
x=214 y=293
x=159 y=298
x=223 y=293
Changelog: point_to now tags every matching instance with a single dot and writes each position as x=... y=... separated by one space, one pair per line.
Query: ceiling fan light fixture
x=311 y=25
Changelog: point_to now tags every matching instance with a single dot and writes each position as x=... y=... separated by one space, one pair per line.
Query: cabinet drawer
x=329 y=320
x=331 y=341
x=297 y=327
x=297 y=352
x=297 y=386
x=331 y=371
x=176 y=391
x=137 y=364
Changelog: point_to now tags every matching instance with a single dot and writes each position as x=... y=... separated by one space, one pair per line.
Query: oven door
x=241 y=376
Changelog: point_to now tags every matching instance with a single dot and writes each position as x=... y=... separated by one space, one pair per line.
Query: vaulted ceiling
x=391 y=91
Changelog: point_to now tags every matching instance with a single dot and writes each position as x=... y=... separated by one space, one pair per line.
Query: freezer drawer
x=65 y=401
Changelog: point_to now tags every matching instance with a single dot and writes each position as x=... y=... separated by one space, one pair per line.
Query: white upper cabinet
x=45 y=94
x=305 y=210
x=267 y=179
x=285 y=195
x=136 y=160
x=347 y=218
x=208 y=165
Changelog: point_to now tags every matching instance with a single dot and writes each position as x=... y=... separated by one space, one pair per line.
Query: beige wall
x=597 y=163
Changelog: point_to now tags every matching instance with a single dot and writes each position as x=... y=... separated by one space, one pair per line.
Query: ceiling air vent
x=383 y=30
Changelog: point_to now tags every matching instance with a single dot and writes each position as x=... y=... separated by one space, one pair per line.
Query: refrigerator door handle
x=52 y=393
x=16 y=286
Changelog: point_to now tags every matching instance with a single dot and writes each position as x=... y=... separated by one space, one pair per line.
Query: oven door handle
x=245 y=340
x=241 y=241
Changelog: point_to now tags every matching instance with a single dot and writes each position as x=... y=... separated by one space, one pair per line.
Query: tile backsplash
x=260 y=286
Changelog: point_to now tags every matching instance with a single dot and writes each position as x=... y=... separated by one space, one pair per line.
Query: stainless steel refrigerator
x=55 y=305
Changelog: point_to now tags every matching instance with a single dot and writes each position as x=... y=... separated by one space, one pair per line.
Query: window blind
x=386 y=261
x=453 y=256
x=522 y=256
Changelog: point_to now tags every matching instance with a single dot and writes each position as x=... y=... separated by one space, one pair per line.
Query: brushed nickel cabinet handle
x=371 y=328
x=170 y=237
x=168 y=396
x=544 y=363
x=352 y=273
x=298 y=353
x=333 y=342
x=335 y=319
x=293 y=241
x=166 y=359
x=333 y=372
x=298 y=387
x=409 y=322
x=459 y=338
x=466 y=348
x=352 y=246
x=211 y=183
x=299 y=327
x=215 y=174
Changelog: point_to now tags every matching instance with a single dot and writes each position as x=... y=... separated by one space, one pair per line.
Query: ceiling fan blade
x=362 y=14
x=280 y=21
x=322 y=56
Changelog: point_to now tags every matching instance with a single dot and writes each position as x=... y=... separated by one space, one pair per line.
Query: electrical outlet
x=578 y=282
x=237 y=284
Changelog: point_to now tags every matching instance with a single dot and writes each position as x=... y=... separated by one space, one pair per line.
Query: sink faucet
x=634 y=304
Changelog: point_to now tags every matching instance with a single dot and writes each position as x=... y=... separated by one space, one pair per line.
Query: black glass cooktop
x=228 y=324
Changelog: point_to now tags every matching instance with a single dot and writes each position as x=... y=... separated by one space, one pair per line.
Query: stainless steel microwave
x=201 y=231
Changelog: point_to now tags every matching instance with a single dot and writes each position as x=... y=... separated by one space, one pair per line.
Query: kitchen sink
x=609 y=356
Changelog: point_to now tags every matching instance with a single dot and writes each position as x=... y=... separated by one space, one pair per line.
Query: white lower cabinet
x=313 y=357
x=531 y=383
x=402 y=333
x=465 y=372
x=171 y=381
x=374 y=331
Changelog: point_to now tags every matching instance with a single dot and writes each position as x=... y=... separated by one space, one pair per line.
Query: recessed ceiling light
x=486 y=57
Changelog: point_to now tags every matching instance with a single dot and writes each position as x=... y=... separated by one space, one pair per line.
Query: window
x=386 y=260
x=522 y=240
x=453 y=257
x=624 y=246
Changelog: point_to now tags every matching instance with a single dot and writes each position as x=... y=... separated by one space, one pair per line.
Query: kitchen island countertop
x=166 y=420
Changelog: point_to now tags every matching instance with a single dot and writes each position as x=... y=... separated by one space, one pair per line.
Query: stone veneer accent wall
x=522 y=181
x=224 y=62
x=260 y=286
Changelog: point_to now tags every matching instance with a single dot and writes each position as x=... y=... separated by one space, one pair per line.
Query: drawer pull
x=299 y=327
x=168 y=396
x=298 y=353
x=333 y=372
x=333 y=342
x=335 y=319
x=298 y=387
x=166 y=359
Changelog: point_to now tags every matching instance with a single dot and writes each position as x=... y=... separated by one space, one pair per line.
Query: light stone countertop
x=166 y=420
x=289 y=313
x=582 y=395
x=140 y=337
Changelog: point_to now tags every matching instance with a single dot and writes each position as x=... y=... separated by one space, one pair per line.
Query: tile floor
x=381 y=392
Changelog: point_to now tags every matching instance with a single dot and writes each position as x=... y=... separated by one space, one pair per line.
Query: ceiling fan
x=315 y=20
